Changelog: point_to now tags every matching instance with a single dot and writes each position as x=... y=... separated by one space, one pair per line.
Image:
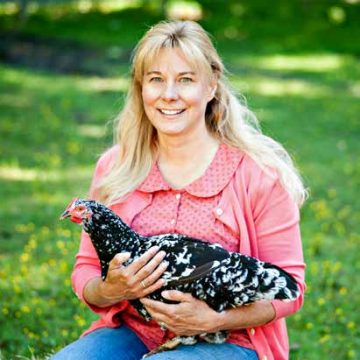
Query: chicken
x=210 y=273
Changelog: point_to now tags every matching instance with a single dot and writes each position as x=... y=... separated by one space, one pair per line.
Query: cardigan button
x=264 y=357
x=219 y=211
x=252 y=331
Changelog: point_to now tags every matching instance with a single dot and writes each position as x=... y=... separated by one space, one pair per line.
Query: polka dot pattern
x=194 y=210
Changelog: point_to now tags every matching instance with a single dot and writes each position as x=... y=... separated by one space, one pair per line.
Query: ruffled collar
x=216 y=177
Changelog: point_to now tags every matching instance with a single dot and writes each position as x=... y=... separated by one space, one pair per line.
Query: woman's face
x=175 y=95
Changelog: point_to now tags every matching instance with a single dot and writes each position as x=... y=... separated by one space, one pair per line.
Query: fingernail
x=164 y=294
x=165 y=264
x=126 y=255
x=155 y=248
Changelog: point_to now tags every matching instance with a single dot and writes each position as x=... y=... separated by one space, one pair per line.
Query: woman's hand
x=192 y=316
x=189 y=317
x=136 y=280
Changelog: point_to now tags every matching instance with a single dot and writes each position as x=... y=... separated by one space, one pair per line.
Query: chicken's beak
x=65 y=215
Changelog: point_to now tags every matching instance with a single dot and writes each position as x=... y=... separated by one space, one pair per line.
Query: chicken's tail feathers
x=280 y=284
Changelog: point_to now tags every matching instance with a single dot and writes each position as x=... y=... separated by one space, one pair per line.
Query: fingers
x=143 y=260
x=152 y=283
x=176 y=295
x=141 y=277
x=158 y=311
x=151 y=271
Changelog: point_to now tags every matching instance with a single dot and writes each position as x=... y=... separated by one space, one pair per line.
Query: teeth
x=170 y=112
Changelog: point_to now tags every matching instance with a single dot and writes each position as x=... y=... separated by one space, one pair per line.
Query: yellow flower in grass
x=35 y=300
x=24 y=270
x=351 y=354
x=5 y=311
x=339 y=311
x=66 y=233
x=31 y=335
x=324 y=339
x=25 y=309
x=351 y=325
x=336 y=267
x=60 y=244
x=32 y=244
x=309 y=325
x=79 y=320
x=24 y=257
x=344 y=212
x=314 y=268
x=343 y=291
x=52 y=262
x=63 y=266
x=321 y=209
x=73 y=148
x=321 y=301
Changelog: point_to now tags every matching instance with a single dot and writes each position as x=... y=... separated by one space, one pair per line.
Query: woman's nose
x=170 y=92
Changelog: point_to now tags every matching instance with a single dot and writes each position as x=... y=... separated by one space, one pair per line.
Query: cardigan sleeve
x=87 y=265
x=276 y=218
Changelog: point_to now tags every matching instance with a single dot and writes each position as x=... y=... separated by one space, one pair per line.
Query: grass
x=53 y=127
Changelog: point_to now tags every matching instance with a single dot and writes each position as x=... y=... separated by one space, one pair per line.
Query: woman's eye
x=186 y=80
x=156 y=79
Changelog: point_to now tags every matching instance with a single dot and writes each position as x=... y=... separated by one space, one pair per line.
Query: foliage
x=298 y=75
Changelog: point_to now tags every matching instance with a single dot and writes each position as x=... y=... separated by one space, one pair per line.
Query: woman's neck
x=181 y=161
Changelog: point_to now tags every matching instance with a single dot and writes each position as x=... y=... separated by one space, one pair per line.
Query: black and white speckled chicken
x=210 y=273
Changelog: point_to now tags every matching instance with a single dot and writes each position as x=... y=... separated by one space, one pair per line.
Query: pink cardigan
x=254 y=205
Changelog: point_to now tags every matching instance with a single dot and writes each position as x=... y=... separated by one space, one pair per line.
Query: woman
x=189 y=159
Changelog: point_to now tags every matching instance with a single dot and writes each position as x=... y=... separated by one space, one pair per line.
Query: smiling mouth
x=171 y=112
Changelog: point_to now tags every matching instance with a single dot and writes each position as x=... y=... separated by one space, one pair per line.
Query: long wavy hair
x=227 y=118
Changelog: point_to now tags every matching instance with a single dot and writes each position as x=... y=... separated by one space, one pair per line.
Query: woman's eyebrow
x=153 y=72
x=187 y=73
x=180 y=73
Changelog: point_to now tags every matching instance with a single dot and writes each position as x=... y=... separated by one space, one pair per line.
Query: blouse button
x=219 y=211
x=172 y=221
x=264 y=357
x=252 y=331
x=178 y=196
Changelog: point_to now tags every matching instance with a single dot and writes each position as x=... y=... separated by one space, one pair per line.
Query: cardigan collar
x=212 y=182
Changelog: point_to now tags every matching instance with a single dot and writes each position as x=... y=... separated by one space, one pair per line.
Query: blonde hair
x=226 y=117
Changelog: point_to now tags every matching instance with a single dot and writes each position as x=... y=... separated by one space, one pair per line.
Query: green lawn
x=303 y=85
